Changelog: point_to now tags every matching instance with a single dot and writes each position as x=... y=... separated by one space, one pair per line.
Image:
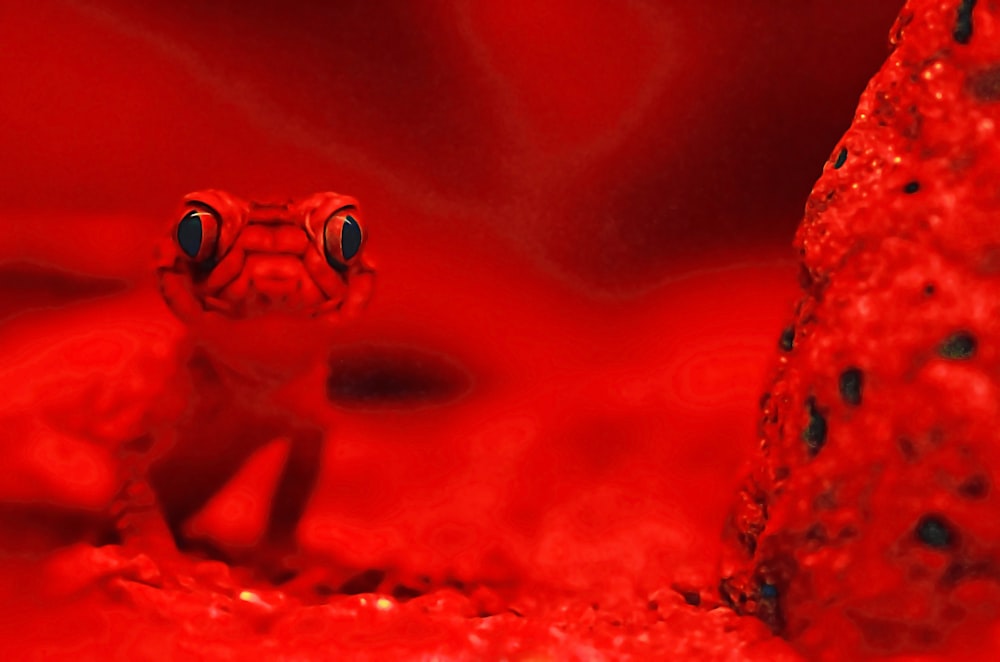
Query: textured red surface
x=581 y=256
x=877 y=499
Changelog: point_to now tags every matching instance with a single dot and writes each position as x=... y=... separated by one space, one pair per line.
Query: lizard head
x=228 y=266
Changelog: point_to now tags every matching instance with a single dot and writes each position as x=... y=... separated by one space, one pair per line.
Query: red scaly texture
x=871 y=526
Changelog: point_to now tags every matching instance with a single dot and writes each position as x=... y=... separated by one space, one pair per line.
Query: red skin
x=260 y=301
x=871 y=526
x=238 y=152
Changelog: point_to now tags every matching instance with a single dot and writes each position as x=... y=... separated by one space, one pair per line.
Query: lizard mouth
x=275 y=291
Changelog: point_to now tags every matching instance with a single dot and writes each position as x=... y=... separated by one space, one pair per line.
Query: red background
x=581 y=215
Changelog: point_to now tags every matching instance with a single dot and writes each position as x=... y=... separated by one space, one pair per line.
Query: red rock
x=873 y=514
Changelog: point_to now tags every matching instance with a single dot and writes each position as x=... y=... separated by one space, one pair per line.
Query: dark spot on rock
x=904 y=20
x=924 y=635
x=847 y=533
x=907 y=448
x=652 y=605
x=825 y=500
x=781 y=473
x=974 y=487
x=404 y=593
x=878 y=633
x=935 y=531
x=772 y=576
x=841 y=159
x=816 y=534
x=912 y=129
x=984 y=85
x=850 y=384
x=279 y=577
x=787 y=340
x=365 y=582
x=731 y=594
x=885 y=107
x=805 y=276
x=393 y=378
x=958 y=346
x=693 y=598
x=929 y=289
x=963 y=21
x=911 y=187
x=814 y=433
x=726 y=598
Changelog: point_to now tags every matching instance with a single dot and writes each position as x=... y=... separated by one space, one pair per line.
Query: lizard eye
x=342 y=239
x=197 y=232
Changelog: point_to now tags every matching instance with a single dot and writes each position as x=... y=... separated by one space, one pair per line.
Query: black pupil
x=350 y=237
x=841 y=159
x=189 y=234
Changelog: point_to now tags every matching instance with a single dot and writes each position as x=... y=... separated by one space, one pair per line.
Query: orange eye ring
x=342 y=239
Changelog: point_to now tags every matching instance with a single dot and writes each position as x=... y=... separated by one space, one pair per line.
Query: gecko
x=260 y=289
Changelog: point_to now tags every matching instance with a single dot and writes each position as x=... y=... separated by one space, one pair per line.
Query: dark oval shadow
x=28 y=286
x=383 y=377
